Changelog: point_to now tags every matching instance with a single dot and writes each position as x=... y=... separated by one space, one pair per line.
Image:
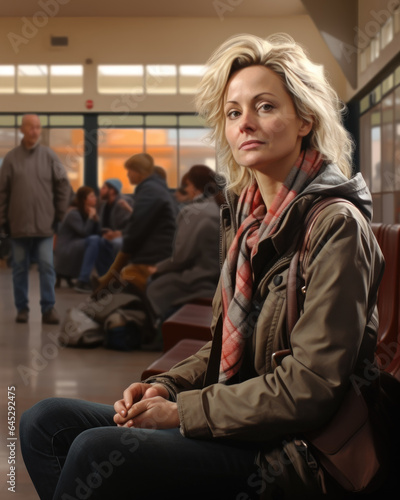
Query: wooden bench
x=191 y=321
x=182 y=350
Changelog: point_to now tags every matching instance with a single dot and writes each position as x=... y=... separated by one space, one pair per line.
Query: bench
x=191 y=321
x=182 y=350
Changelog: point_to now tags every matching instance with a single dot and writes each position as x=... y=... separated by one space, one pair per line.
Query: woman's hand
x=111 y=235
x=146 y=405
x=92 y=214
x=152 y=269
x=152 y=413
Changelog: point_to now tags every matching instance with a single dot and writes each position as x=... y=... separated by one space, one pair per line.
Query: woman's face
x=261 y=124
x=91 y=200
x=191 y=190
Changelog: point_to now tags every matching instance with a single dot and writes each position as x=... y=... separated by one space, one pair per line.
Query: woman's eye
x=266 y=107
x=233 y=114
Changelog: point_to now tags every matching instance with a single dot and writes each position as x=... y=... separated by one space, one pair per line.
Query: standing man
x=34 y=195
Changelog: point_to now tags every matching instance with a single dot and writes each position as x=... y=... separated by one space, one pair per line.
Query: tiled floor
x=37 y=367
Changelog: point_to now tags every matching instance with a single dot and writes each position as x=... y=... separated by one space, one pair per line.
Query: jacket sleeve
x=191 y=228
x=81 y=228
x=147 y=208
x=121 y=215
x=305 y=390
x=4 y=192
x=62 y=190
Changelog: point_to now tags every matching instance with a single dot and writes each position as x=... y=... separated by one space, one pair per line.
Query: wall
x=137 y=40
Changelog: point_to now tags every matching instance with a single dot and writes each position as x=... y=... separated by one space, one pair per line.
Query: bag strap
x=296 y=278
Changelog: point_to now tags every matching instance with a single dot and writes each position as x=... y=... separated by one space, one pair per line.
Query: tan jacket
x=331 y=342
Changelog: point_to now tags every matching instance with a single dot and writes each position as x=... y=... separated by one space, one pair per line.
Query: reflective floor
x=33 y=364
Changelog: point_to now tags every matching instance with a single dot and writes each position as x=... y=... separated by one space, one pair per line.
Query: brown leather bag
x=346 y=446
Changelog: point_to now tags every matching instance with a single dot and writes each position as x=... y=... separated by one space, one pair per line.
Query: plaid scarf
x=255 y=224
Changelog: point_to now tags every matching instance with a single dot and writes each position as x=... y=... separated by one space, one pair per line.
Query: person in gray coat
x=193 y=269
x=80 y=223
x=34 y=195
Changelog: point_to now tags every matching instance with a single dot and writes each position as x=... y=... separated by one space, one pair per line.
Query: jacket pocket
x=270 y=329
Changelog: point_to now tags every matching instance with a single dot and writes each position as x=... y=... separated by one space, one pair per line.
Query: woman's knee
x=45 y=413
x=93 y=240
x=33 y=426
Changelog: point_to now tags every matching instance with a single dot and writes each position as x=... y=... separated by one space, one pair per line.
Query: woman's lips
x=250 y=144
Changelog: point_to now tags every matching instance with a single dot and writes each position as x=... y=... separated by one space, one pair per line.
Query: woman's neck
x=268 y=186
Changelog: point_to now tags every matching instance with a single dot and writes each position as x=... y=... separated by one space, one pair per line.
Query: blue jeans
x=73 y=450
x=41 y=250
x=99 y=254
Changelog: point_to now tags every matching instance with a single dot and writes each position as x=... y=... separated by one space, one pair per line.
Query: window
x=375 y=48
x=161 y=144
x=32 y=79
x=69 y=145
x=7 y=79
x=120 y=79
x=194 y=149
x=161 y=79
x=387 y=32
x=115 y=146
x=365 y=57
x=396 y=20
x=189 y=78
x=380 y=147
x=387 y=146
x=8 y=141
x=67 y=79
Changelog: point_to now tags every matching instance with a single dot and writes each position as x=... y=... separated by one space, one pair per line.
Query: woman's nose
x=247 y=122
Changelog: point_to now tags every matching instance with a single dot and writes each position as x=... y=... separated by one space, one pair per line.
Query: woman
x=232 y=431
x=74 y=237
x=193 y=269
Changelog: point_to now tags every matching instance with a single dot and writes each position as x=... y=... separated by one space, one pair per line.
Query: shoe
x=60 y=278
x=22 y=316
x=50 y=317
x=83 y=287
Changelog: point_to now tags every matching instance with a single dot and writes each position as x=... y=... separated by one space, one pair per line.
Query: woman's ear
x=305 y=128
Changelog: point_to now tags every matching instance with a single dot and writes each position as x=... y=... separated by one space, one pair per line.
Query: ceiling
x=222 y=9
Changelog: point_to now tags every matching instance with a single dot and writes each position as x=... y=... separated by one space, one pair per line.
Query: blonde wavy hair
x=313 y=97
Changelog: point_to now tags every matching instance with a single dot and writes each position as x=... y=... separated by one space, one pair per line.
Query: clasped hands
x=146 y=406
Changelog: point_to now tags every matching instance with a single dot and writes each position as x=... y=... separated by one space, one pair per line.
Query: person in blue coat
x=150 y=230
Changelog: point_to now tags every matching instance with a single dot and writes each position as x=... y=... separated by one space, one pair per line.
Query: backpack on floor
x=125 y=320
x=78 y=330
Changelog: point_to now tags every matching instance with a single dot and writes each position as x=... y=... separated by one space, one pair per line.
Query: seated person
x=227 y=422
x=150 y=230
x=114 y=212
x=193 y=269
x=73 y=238
x=181 y=197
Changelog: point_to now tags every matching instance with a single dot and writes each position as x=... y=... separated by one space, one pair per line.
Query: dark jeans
x=99 y=253
x=73 y=450
x=23 y=250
